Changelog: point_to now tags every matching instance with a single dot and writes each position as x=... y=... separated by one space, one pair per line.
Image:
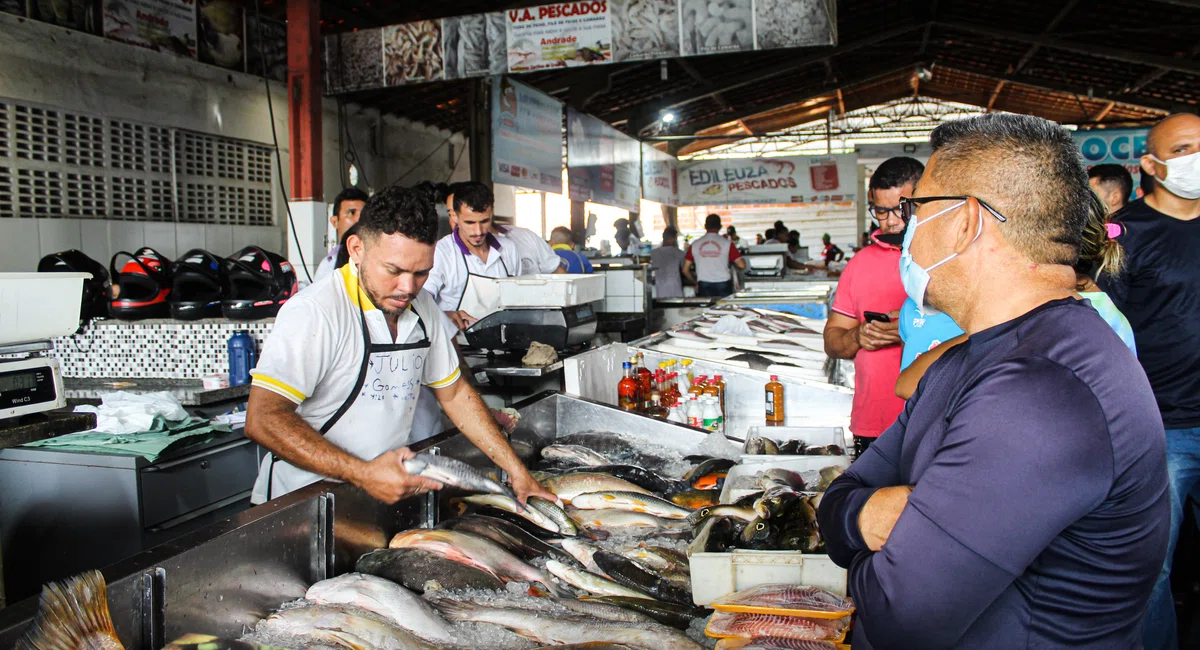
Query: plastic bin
x=549 y=290
x=798 y=464
x=38 y=306
x=719 y=574
x=812 y=436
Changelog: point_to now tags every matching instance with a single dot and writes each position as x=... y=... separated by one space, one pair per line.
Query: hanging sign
x=526 y=137
x=660 y=176
x=796 y=179
x=159 y=25
x=561 y=35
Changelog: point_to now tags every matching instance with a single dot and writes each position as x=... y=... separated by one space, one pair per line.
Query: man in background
x=666 y=260
x=536 y=254
x=831 y=252
x=572 y=261
x=346 y=207
x=871 y=283
x=1113 y=184
x=1159 y=292
x=710 y=257
x=782 y=233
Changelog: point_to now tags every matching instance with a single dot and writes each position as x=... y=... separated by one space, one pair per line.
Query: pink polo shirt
x=871 y=282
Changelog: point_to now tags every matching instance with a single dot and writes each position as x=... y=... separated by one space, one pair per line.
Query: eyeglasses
x=908 y=207
x=881 y=213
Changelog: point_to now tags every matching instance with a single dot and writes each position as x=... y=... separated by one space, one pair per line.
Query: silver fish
x=737 y=512
x=691 y=335
x=385 y=598
x=449 y=471
x=561 y=519
x=337 y=627
x=575 y=454
x=631 y=501
x=603 y=611
x=569 y=486
x=583 y=552
x=590 y=582
x=567 y=629
x=472 y=550
x=627 y=520
x=509 y=504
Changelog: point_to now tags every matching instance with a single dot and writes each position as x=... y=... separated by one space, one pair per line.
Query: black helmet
x=95 y=291
x=259 y=283
x=199 y=285
x=141 y=287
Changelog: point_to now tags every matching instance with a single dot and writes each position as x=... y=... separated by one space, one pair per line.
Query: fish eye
x=704 y=511
x=760 y=526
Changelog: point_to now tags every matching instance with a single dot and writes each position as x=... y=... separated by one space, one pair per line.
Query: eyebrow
x=396 y=269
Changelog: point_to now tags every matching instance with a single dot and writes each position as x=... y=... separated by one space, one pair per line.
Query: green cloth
x=162 y=437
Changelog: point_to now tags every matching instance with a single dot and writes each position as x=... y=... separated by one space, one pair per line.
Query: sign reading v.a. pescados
x=795 y=179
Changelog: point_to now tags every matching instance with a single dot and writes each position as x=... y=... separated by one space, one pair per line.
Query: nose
x=406 y=283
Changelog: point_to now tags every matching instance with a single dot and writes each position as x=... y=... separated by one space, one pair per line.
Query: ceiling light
x=668 y=117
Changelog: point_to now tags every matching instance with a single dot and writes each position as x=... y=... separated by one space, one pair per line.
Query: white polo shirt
x=712 y=254
x=315 y=351
x=452 y=261
x=536 y=254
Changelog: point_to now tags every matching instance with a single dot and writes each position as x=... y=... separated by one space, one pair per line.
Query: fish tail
x=72 y=615
x=454 y=610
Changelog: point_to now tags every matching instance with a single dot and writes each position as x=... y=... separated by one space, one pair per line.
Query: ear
x=355 y=246
x=1149 y=166
x=965 y=224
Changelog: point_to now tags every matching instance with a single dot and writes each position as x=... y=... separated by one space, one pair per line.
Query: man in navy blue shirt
x=1159 y=292
x=1020 y=500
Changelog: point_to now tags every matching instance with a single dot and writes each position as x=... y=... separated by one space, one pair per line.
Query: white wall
x=75 y=71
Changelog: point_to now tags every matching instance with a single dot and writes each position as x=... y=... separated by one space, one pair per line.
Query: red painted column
x=304 y=98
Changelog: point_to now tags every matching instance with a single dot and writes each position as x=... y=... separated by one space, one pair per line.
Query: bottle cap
x=626 y=365
x=774 y=377
x=717 y=377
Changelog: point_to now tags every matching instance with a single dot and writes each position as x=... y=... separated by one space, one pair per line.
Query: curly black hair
x=474 y=195
x=409 y=212
x=896 y=172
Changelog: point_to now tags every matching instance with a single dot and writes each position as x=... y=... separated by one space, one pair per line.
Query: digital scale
x=29 y=385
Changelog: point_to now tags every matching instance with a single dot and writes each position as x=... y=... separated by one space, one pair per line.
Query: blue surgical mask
x=914 y=278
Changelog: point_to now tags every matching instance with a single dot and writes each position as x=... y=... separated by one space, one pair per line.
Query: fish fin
x=73 y=615
x=345 y=639
x=454 y=610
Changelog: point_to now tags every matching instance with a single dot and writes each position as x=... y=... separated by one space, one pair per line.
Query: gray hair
x=1029 y=169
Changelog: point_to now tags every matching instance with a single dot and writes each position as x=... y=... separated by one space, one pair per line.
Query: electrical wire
x=455 y=167
x=275 y=138
x=352 y=155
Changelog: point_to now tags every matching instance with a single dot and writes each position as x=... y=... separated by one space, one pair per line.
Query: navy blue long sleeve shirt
x=1039 y=513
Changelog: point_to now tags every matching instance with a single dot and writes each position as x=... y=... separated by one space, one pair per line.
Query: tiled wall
x=153 y=349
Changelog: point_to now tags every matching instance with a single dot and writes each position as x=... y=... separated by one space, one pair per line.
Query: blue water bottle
x=242 y=357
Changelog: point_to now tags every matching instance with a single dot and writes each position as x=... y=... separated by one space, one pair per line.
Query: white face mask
x=1183 y=175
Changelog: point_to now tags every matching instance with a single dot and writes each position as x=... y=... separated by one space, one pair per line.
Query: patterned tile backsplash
x=153 y=349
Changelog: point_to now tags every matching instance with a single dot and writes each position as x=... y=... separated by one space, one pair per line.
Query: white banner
x=796 y=179
x=526 y=137
x=561 y=35
x=660 y=176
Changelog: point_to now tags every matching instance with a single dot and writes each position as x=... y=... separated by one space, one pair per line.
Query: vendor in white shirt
x=335 y=389
x=537 y=256
x=470 y=251
x=347 y=205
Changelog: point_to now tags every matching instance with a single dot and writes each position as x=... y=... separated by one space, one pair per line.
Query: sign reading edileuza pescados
x=796 y=179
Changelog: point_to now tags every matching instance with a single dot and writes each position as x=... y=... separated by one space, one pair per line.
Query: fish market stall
x=625 y=534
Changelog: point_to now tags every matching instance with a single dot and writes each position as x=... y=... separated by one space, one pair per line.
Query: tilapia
x=639 y=476
x=677 y=616
x=590 y=582
x=385 y=598
x=632 y=502
x=628 y=573
x=567 y=629
x=709 y=466
x=624 y=519
x=779 y=476
x=508 y=504
x=829 y=475
x=583 y=552
x=827 y=450
x=696 y=498
x=768 y=625
x=737 y=512
x=788 y=597
x=338 y=627
x=474 y=551
x=72 y=614
x=208 y=642
x=714 y=535
x=569 y=486
x=449 y=471
x=573 y=454
x=414 y=568
x=512 y=537
x=603 y=611
x=560 y=518
x=776 y=502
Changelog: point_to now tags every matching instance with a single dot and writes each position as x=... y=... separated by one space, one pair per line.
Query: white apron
x=387 y=390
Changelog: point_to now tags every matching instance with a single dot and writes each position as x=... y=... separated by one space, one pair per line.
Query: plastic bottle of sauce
x=720 y=383
x=643 y=377
x=694 y=412
x=673 y=415
x=686 y=365
x=711 y=416
x=627 y=389
x=698 y=386
x=774 y=402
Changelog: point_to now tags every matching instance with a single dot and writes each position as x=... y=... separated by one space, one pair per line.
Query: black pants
x=860 y=445
x=715 y=289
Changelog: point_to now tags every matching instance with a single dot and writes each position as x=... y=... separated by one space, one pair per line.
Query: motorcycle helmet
x=95 y=290
x=259 y=283
x=141 y=287
x=200 y=283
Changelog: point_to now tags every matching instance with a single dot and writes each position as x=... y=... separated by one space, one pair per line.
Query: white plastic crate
x=797 y=464
x=812 y=436
x=719 y=574
x=550 y=290
x=36 y=306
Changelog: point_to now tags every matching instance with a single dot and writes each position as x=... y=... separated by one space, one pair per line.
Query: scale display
x=29 y=386
x=18 y=381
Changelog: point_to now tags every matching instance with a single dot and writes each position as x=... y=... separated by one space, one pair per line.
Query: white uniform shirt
x=536 y=254
x=326 y=267
x=712 y=254
x=448 y=278
x=315 y=351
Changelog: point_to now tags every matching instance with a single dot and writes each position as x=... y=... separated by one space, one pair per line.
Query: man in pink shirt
x=871 y=283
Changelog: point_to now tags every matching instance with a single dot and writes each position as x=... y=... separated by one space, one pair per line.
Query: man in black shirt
x=1159 y=292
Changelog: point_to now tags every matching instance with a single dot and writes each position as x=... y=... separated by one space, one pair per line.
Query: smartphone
x=876 y=317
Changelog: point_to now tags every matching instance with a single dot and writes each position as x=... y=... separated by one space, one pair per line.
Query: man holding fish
x=334 y=393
